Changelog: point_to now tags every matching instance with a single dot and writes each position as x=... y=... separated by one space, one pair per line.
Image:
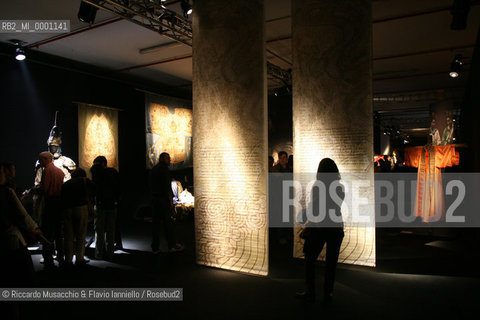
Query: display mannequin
x=62 y=162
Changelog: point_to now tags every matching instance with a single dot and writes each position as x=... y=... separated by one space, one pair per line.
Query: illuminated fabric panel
x=332 y=108
x=97 y=135
x=230 y=135
x=169 y=129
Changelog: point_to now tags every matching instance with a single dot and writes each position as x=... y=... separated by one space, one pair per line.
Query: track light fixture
x=187 y=8
x=20 y=54
x=87 y=13
x=456 y=66
x=19 y=49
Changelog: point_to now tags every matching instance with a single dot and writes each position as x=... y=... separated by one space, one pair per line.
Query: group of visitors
x=66 y=208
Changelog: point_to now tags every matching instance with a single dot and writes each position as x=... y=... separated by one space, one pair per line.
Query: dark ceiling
x=413 y=47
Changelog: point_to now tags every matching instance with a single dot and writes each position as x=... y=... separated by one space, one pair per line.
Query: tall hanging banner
x=97 y=135
x=333 y=112
x=230 y=130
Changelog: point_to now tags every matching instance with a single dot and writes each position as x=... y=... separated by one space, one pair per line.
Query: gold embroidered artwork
x=97 y=135
x=171 y=132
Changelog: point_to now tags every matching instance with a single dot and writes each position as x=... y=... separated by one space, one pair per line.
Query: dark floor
x=427 y=274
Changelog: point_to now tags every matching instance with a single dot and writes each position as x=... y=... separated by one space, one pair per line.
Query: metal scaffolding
x=151 y=14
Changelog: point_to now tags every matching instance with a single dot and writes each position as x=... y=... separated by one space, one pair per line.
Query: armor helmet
x=55 y=137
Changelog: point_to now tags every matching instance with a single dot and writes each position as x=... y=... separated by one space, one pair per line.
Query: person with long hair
x=324 y=226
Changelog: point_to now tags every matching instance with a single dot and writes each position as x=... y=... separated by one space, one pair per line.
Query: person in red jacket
x=51 y=185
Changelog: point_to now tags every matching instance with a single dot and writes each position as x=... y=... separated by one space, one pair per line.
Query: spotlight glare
x=20 y=54
x=456 y=66
x=186 y=7
x=453 y=74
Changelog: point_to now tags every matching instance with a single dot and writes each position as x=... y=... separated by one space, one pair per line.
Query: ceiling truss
x=151 y=14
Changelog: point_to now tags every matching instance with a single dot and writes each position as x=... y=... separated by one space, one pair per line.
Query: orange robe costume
x=430 y=202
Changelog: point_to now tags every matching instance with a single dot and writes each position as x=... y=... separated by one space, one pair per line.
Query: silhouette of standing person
x=16 y=268
x=75 y=199
x=106 y=202
x=52 y=220
x=324 y=226
x=162 y=203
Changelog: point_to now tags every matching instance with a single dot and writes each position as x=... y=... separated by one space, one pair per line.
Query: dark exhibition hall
x=239 y=159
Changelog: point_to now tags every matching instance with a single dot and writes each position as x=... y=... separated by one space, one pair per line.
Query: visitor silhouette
x=324 y=226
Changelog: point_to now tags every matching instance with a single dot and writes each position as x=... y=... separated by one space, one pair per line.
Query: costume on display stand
x=430 y=202
x=62 y=162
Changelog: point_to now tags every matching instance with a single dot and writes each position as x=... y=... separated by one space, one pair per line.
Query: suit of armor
x=65 y=164
x=47 y=209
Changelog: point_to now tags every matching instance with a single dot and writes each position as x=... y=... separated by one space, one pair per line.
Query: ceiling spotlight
x=186 y=7
x=459 y=13
x=456 y=66
x=454 y=74
x=87 y=13
x=20 y=54
x=282 y=91
x=387 y=131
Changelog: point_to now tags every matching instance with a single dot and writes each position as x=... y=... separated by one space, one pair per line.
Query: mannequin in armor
x=65 y=164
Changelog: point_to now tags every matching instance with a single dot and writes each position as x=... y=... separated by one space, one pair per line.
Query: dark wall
x=470 y=113
x=30 y=93
x=280 y=126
